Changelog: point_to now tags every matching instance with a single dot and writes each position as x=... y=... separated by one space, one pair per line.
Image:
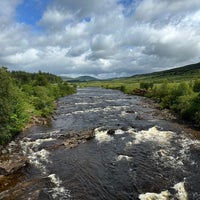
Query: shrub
x=196 y=87
x=146 y=85
x=12 y=112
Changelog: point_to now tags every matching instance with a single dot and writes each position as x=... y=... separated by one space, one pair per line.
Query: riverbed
x=104 y=145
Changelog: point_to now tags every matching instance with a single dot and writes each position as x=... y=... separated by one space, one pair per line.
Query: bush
x=196 y=87
x=146 y=85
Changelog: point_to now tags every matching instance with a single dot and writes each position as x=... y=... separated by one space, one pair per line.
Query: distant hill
x=66 y=78
x=186 y=72
x=80 y=79
x=192 y=70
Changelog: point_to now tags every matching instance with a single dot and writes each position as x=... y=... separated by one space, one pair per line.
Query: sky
x=100 y=38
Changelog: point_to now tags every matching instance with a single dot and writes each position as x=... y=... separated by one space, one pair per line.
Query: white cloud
x=7 y=9
x=102 y=38
x=29 y=56
x=164 y=9
x=103 y=42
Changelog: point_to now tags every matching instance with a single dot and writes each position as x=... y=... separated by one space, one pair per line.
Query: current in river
x=105 y=145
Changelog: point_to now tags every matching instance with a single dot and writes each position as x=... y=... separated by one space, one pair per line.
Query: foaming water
x=40 y=159
x=58 y=192
x=105 y=145
x=121 y=157
x=102 y=136
x=153 y=134
x=98 y=109
x=153 y=196
x=179 y=194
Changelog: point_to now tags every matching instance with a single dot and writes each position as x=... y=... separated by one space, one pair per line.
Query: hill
x=83 y=79
x=186 y=72
x=177 y=75
x=66 y=78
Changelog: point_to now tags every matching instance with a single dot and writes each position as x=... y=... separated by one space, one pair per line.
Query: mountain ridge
x=191 y=69
x=80 y=79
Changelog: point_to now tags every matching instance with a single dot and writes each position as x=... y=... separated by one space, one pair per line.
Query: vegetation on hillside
x=80 y=79
x=23 y=95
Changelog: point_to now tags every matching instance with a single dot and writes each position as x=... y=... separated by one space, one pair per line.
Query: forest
x=24 y=95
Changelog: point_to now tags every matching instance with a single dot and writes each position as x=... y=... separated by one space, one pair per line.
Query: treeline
x=183 y=98
x=23 y=95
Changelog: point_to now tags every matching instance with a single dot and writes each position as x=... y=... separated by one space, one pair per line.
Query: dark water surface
x=133 y=152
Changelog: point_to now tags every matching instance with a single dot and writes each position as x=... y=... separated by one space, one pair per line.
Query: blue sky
x=107 y=38
x=31 y=11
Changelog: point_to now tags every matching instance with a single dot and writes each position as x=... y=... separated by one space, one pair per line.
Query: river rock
x=4 y=151
x=76 y=138
x=12 y=165
x=111 y=132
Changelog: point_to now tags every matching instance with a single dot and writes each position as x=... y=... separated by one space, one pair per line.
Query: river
x=105 y=145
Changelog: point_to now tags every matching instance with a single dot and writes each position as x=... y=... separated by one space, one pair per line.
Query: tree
x=11 y=107
x=5 y=94
x=41 y=80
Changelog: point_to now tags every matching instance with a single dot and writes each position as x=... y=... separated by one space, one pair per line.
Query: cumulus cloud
x=102 y=38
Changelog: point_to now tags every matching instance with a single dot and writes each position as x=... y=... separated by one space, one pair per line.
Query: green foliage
x=22 y=78
x=12 y=112
x=122 y=88
x=65 y=89
x=196 y=87
x=24 y=94
x=181 y=99
x=5 y=97
x=41 y=80
x=195 y=109
x=146 y=85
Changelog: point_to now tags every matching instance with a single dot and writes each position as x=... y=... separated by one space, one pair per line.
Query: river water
x=105 y=145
